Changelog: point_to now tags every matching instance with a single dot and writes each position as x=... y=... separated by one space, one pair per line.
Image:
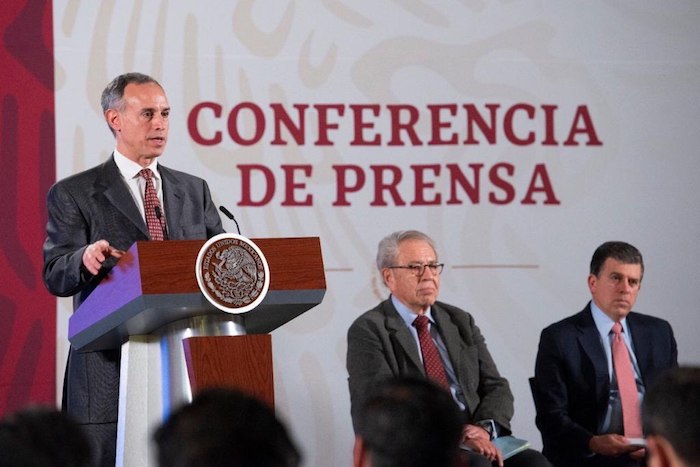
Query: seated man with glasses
x=413 y=334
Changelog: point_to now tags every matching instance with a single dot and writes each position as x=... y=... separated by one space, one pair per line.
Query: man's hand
x=478 y=440
x=639 y=454
x=475 y=432
x=613 y=445
x=95 y=254
x=485 y=448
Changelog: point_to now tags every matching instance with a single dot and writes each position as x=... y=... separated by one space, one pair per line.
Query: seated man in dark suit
x=413 y=334
x=671 y=416
x=593 y=367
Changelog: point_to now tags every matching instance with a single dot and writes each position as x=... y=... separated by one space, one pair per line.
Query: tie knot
x=146 y=173
x=617 y=329
x=421 y=322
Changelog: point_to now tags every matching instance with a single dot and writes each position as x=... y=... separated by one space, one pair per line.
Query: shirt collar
x=130 y=169
x=407 y=315
x=603 y=322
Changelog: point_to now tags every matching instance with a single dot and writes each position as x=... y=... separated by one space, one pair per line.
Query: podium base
x=177 y=389
x=154 y=381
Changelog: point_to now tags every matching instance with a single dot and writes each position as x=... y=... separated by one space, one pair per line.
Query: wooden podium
x=174 y=342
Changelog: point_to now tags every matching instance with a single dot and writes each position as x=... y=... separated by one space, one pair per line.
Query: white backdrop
x=625 y=76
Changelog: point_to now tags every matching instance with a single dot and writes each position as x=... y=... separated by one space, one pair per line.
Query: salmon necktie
x=626 y=385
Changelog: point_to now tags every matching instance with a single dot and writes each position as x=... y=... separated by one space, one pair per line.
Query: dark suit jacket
x=572 y=381
x=93 y=205
x=380 y=346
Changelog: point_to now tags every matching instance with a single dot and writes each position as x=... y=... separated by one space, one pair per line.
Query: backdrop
x=27 y=158
x=520 y=135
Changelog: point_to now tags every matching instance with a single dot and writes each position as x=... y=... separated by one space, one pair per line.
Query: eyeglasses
x=419 y=269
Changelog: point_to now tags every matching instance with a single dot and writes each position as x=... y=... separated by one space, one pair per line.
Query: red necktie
x=151 y=204
x=432 y=362
x=626 y=385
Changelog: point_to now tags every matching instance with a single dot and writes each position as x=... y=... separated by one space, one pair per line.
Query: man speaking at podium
x=94 y=216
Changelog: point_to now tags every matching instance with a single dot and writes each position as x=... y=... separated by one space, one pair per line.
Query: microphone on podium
x=228 y=214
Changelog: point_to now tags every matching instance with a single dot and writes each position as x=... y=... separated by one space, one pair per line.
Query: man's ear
x=386 y=276
x=113 y=120
x=359 y=453
x=592 y=281
x=660 y=453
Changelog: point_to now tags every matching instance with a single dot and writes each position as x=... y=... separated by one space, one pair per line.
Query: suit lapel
x=173 y=197
x=450 y=336
x=456 y=345
x=589 y=340
x=641 y=344
x=400 y=335
x=115 y=190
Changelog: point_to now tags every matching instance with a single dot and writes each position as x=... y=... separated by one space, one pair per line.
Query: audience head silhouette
x=408 y=422
x=222 y=428
x=671 y=418
x=42 y=437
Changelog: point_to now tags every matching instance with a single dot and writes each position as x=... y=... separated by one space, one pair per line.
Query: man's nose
x=427 y=272
x=158 y=121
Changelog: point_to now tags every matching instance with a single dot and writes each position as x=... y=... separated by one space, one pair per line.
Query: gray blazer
x=380 y=346
x=96 y=204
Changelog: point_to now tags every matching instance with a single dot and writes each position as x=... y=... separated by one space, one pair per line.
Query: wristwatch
x=489 y=426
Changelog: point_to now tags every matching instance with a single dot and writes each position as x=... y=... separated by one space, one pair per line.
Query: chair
x=534 y=389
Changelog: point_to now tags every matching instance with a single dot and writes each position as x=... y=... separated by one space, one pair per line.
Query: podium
x=175 y=342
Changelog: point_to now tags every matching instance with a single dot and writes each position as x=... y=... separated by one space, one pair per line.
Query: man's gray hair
x=113 y=94
x=388 y=248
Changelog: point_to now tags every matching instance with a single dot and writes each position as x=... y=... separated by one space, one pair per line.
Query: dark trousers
x=103 y=443
x=527 y=458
